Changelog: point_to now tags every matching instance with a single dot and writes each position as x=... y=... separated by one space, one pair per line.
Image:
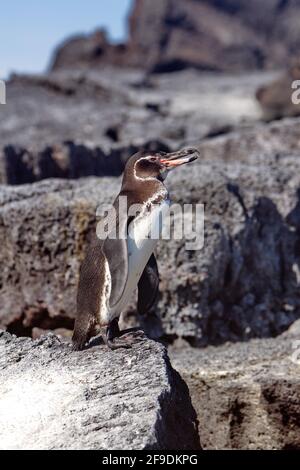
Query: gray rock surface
x=53 y=398
x=246 y=395
x=72 y=124
x=243 y=283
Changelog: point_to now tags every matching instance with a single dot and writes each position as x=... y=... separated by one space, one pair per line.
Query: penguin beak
x=174 y=159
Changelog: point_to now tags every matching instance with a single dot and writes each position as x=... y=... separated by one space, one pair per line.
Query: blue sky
x=30 y=29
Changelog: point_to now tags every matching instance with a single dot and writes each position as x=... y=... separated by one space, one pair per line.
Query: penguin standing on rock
x=115 y=265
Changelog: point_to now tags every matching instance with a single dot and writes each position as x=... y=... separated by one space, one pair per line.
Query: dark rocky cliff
x=216 y=35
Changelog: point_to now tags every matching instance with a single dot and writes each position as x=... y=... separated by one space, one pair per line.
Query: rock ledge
x=53 y=398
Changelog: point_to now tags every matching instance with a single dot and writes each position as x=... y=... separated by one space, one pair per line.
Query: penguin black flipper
x=148 y=286
x=147 y=300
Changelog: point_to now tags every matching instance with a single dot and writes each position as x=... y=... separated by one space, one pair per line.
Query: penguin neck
x=145 y=190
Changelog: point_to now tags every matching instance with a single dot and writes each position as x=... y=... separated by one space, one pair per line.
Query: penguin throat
x=157 y=197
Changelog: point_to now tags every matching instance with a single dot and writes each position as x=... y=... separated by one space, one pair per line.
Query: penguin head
x=148 y=165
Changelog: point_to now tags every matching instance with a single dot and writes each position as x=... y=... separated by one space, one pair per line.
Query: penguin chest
x=143 y=235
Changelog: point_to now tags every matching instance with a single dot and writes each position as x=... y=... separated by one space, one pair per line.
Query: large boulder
x=244 y=281
x=172 y=35
x=53 y=398
x=275 y=98
x=246 y=395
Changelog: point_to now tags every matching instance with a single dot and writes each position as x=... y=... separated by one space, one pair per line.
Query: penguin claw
x=137 y=336
x=127 y=340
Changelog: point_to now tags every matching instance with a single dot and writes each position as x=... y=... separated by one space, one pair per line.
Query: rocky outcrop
x=246 y=395
x=275 y=98
x=70 y=124
x=171 y=35
x=88 y=51
x=53 y=398
x=73 y=124
x=32 y=159
x=244 y=281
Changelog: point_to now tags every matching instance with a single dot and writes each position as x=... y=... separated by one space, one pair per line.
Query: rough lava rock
x=246 y=395
x=75 y=123
x=53 y=398
x=243 y=283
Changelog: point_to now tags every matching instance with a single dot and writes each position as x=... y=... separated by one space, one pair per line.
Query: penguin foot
x=116 y=339
x=124 y=341
x=118 y=343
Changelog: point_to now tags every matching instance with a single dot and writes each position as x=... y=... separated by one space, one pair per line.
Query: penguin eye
x=152 y=159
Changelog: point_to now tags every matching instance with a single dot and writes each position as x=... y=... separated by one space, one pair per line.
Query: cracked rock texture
x=53 y=398
x=243 y=283
x=246 y=395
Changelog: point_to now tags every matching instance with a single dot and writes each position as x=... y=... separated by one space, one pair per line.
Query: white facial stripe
x=145 y=177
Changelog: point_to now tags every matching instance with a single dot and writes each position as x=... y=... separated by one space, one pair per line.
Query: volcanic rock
x=53 y=398
x=246 y=395
x=242 y=283
x=71 y=124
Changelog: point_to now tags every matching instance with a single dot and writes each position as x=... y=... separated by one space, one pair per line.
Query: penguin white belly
x=140 y=247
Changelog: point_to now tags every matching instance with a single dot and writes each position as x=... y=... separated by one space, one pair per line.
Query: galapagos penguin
x=115 y=265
